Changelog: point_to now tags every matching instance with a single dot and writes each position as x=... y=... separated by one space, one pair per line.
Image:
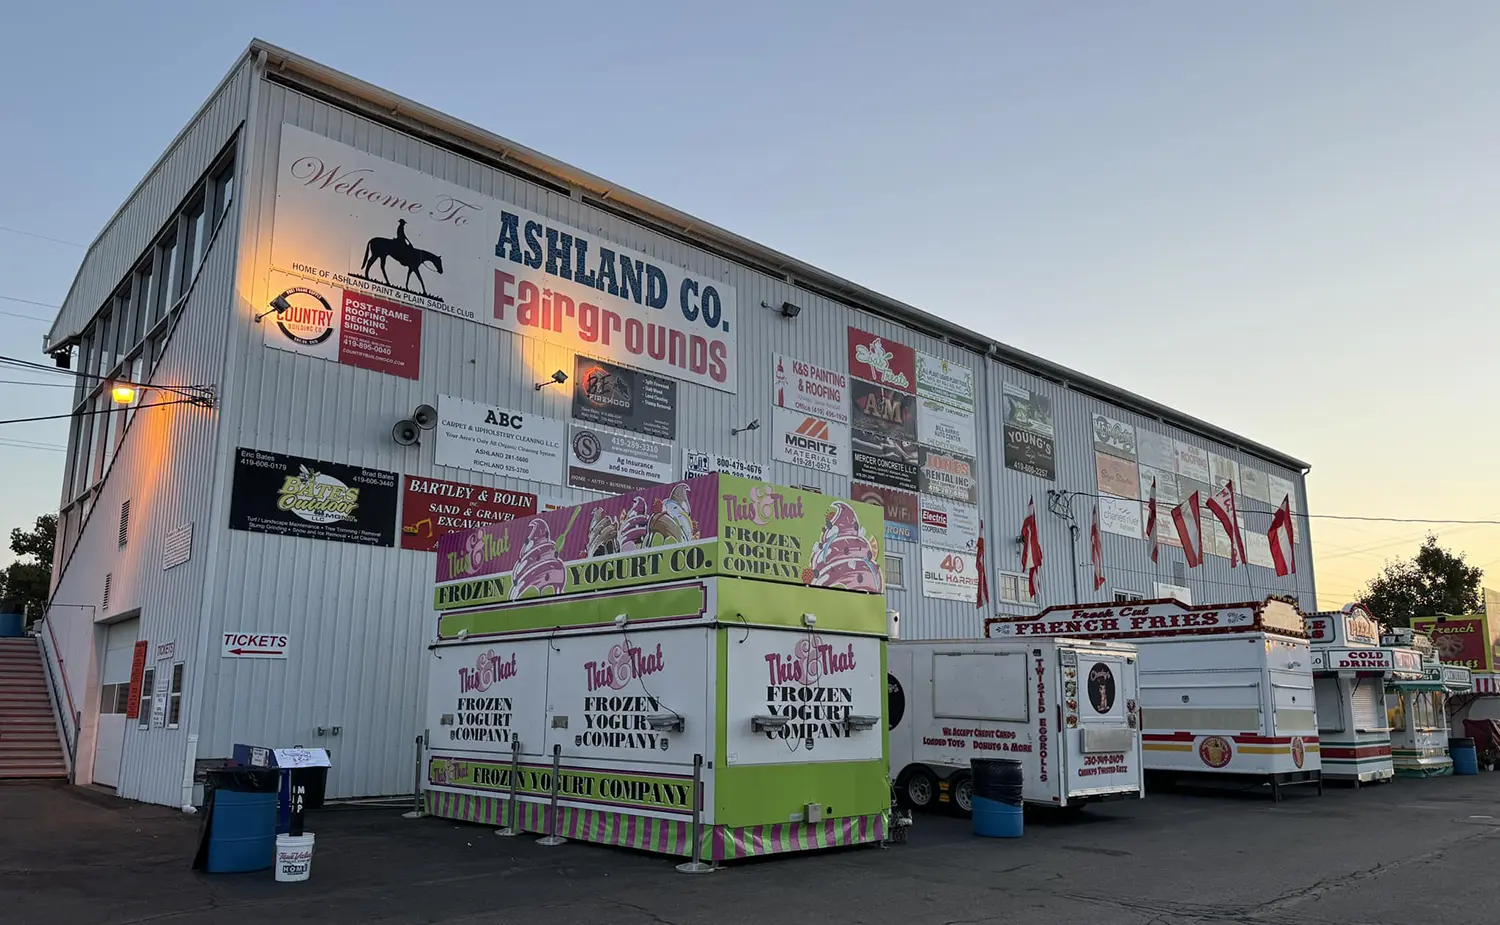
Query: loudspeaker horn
x=406 y=433
x=425 y=417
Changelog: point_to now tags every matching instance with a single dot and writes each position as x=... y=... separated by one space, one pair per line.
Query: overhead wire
x=41 y=237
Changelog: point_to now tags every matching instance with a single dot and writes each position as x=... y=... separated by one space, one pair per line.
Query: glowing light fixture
x=123 y=394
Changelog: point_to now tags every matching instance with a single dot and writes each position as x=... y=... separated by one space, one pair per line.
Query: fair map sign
x=352 y=220
x=499 y=441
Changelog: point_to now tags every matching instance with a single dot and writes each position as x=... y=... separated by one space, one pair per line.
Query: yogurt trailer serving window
x=714 y=623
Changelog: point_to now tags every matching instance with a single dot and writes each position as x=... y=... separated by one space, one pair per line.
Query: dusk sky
x=1274 y=216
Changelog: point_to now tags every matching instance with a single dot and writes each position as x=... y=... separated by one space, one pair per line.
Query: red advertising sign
x=1459 y=640
x=137 y=679
x=883 y=362
x=432 y=508
x=901 y=507
x=380 y=336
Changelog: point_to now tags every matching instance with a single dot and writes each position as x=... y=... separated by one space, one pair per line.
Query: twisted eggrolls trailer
x=1226 y=690
x=617 y=643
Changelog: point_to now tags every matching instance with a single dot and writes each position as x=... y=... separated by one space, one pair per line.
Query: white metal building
x=313 y=258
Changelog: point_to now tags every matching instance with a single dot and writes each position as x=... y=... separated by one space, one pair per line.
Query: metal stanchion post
x=416 y=800
x=695 y=865
x=512 y=827
x=552 y=838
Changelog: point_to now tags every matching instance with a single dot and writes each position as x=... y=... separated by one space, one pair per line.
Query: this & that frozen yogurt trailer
x=593 y=661
x=1226 y=689
x=1350 y=671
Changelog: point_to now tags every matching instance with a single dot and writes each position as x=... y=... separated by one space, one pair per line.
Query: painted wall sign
x=1155 y=450
x=949 y=524
x=365 y=224
x=1028 y=431
x=945 y=427
x=431 y=508
x=349 y=327
x=883 y=362
x=883 y=459
x=948 y=475
x=499 y=441
x=695 y=464
x=810 y=442
x=599 y=460
x=811 y=390
x=901 y=509
x=137 y=678
x=614 y=396
x=717 y=524
x=949 y=575
x=1117 y=476
x=945 y=381
x=312 y=498
x=238 y=644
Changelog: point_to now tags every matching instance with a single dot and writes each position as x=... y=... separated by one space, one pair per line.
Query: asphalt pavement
x=1407 y=852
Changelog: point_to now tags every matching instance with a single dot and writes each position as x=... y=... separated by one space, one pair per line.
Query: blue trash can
x=239 y=822
x=1465 y=756
x=12 y=625
x=993 y=819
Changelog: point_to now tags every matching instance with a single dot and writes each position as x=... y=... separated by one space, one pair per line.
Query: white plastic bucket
x=293 y=857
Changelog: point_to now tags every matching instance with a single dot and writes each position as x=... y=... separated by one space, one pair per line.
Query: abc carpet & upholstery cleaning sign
x=312 y=498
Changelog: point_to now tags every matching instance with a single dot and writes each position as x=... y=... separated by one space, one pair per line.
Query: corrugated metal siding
x=160 y=468
x=359 y=617
x=150 y=205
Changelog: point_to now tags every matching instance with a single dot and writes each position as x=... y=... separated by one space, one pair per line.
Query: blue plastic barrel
x=1465 y=756
x=243 y=835
x=993 y=819
x=12 y=625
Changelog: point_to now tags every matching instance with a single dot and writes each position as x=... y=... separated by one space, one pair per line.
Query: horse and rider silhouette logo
x=405 y=253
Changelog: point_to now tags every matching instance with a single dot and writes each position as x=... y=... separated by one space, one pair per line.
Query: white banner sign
x=499 y=441
x=599 y=460
x=365 y=224
x=1192 y=461
x=696 y=464
x=945 y=427
x=254 y=645
x=1156 y=450
x=949 y=575
x=945 y=381
x=1121 y=517
x=810 y=442
x=808 y=389
x=949 y=524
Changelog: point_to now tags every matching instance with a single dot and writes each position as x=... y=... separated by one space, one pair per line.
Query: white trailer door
x=114 y=700
x=1103 y=754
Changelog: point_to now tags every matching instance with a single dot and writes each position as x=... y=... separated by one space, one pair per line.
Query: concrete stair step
x=49 y=771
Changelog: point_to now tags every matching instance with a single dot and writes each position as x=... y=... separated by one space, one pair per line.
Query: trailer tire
x=918 y=788
x=961 y=794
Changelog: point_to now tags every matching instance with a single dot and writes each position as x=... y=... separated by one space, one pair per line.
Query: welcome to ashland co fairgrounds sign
x=349 y=219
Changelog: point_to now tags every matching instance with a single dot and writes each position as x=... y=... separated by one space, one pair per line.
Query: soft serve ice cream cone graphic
x=538 y=568
x=845 y=556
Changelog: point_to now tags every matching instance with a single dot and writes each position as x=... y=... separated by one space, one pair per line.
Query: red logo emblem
x=1215 y=751
x=1299 y=751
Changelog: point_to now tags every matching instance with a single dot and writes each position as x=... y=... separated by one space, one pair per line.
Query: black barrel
x=998 y=779
x=1460 y=742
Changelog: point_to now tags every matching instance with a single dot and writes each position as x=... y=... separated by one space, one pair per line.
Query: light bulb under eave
x=122 y=394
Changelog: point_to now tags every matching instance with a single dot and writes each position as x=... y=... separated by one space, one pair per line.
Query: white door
x=114 y=700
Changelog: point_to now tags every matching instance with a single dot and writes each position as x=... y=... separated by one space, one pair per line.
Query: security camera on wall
x=406 y=433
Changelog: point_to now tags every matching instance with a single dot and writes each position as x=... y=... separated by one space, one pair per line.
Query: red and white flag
x=1283 y=544
x=1151 y=522
x=984 y=580
x=1222 y=506
x=1096 y=551
x=1031 y=548
x=1189 y=520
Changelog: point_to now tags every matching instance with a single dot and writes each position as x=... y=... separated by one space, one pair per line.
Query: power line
x=41 y=237
x=26 y=317
x=12 y=298
x=60 y=417
x=48 y=385
x=32 y=445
